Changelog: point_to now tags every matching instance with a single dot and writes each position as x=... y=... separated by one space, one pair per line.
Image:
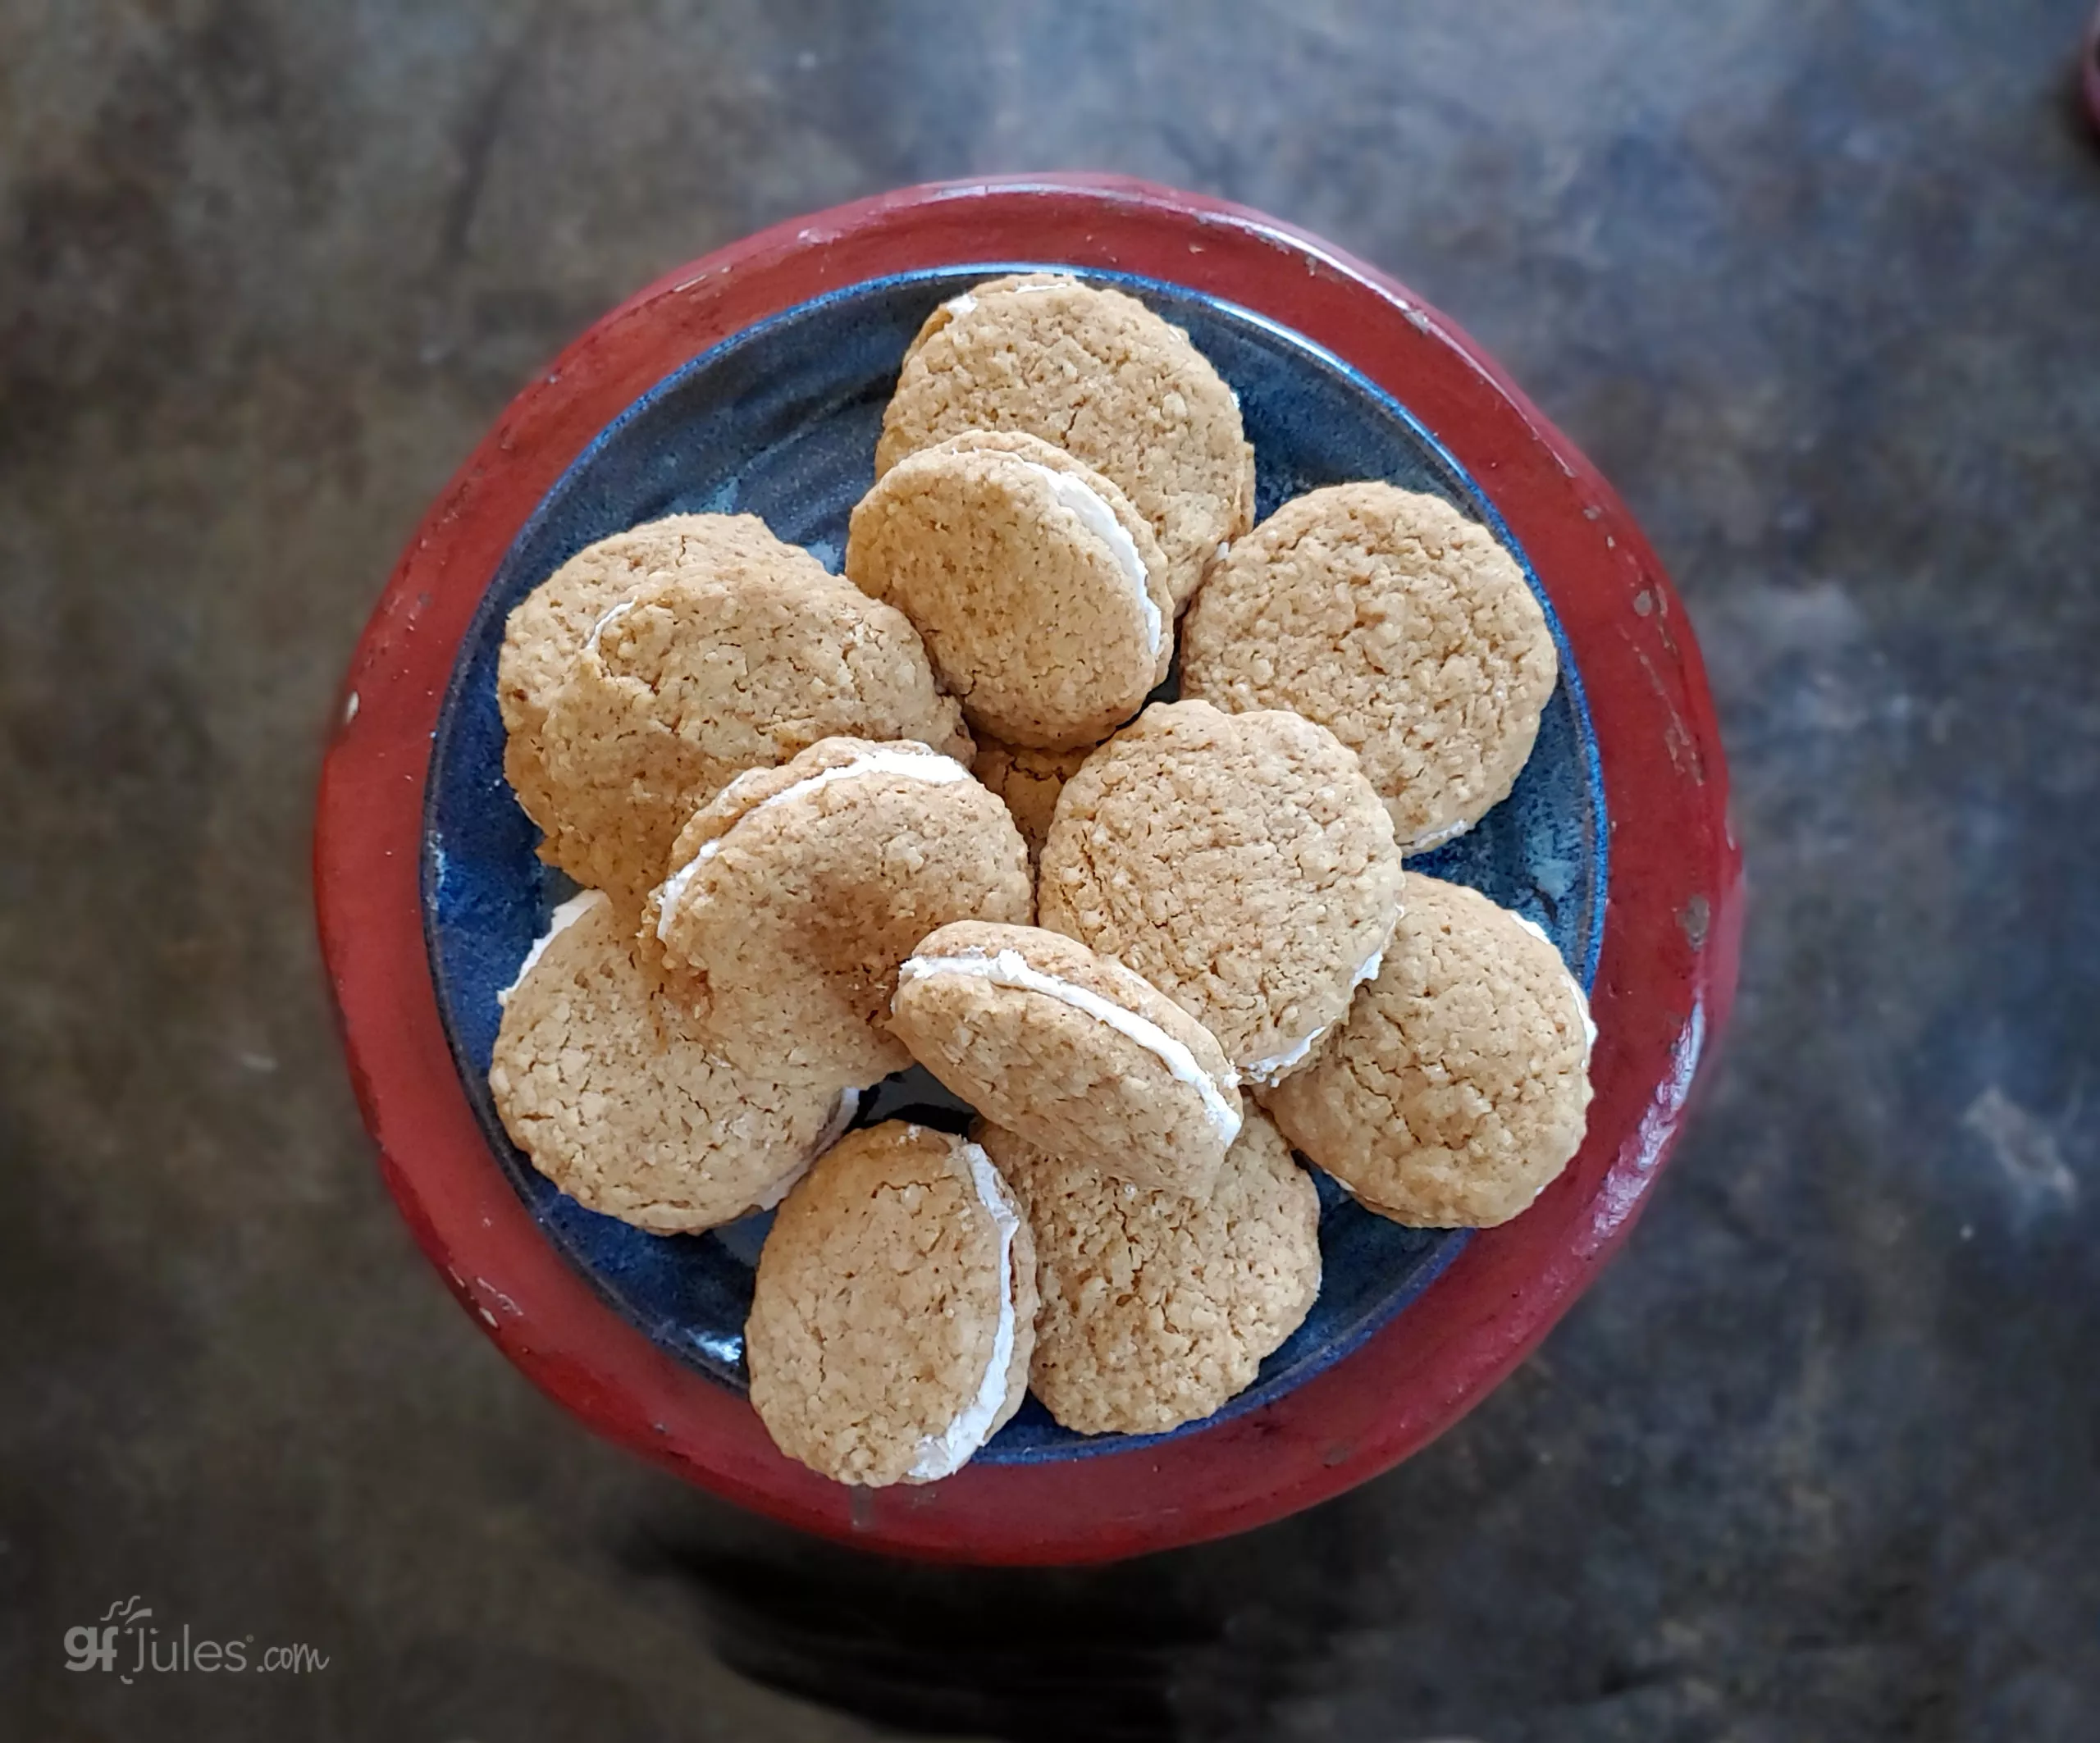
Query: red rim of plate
x=1663 y=984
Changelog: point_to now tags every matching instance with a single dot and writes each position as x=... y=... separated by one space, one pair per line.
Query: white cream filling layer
x=1582 y=998
x=958 y=306
x=1430 y=838
x=1009 y=968
x=599 y=628
x=562 y=918
x=944 y=1454
x=922 y=765
x=842 y=1116
x=1265 y=1071
x=1099 y=519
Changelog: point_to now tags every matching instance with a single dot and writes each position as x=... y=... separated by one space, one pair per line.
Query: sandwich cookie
x=894 y=1312
x=1155 y=1307
x=1108 y=380
x=694 y=681
x=600 y=1080
x=1070 y=1051
x=547 y=629
x=1240 y=863
x=1041 y=592
x=1029 y=781
x=1460 y=1086
x=794 y=895
x=1399 y=625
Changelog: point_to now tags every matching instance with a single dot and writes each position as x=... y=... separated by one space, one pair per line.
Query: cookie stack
x=827 y=826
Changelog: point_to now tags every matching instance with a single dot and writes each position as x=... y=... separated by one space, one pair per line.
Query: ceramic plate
x=781 y=421
x=755 y=382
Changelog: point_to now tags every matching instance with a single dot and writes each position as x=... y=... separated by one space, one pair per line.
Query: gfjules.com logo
x=125 y=1642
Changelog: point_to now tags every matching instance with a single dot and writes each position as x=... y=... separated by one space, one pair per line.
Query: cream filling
x=1430 y=838
x=562 y=918
x=842 y=1116
x=1009 y=968
x=599 y=628
x=1582 y=998
x=1265 y=1071
x=959 y=306
x=1099 y=519
x=923 y=765
x=944 y=1454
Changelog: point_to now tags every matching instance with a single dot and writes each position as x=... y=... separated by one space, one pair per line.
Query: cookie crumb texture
x=762 y=774
x=600 y=1080
x=1029 y=781
x=1397 y=624
x=1058 y=1075
x=547 y=630
x=1459 y=1087
x=1102 y=376
x=1030 y=616
x=877 y=1305
x=1240 y=863
x=702 y=678
x=796 y=921
x=1156 y=1308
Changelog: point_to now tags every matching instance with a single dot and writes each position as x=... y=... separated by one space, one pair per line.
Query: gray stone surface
x=1814 y=280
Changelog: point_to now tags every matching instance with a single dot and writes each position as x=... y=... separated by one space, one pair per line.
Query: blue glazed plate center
x=781 y=421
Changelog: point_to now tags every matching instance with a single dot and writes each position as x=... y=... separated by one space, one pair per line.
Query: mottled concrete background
x=1816 y=282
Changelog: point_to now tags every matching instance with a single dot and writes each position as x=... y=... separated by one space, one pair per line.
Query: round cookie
x=1397 y=624
x=894 y=1313
x=1240 y=863
x=547 y=630
x=1070 y=1051
x=696 y=680
x=1029 y=781
x=1156 y=1308
x=1040 y=592
x=1460 y=1086
x=600 y=1080
x=1108 y=380
x=798 y=892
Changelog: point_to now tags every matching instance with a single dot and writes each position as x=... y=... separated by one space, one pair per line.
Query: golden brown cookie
x=1029 y=781
x=1105 y=378
x=600 y=1081
x=1240 y=863
x=1040 y=592
x=796 y=892
x=1460 y=1086
x=695 y=680
x=1397 y=625
x=1070 y=1051
x=547 y=629
x=1157 y=1307
x=894 y=1313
